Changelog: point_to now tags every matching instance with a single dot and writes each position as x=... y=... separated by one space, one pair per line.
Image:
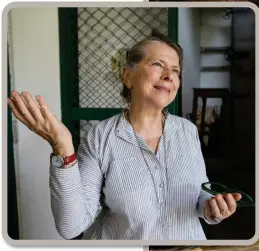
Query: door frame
x=12 y=204
x=67 y=17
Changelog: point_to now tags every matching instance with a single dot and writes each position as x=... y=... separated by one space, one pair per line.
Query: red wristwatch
x=59 y=161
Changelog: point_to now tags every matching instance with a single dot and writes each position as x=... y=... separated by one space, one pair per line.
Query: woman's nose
x=167 y=75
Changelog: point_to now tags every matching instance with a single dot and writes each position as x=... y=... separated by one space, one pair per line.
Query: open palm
x=39 y=119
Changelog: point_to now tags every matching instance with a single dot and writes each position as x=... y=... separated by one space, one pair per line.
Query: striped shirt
x=120 y=189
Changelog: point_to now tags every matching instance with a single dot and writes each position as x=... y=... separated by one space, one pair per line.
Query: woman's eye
x=176 y=71
x=158 y=64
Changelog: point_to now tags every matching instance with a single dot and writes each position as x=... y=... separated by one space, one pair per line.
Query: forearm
x=72 y=213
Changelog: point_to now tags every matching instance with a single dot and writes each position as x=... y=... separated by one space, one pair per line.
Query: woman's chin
x=161 y=104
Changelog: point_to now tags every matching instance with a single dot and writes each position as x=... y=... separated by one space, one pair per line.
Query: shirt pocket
x=185 y=178
x=127 y=176
x=184 y=168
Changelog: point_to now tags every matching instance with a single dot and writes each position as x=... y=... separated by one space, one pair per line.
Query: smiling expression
x=154 y=81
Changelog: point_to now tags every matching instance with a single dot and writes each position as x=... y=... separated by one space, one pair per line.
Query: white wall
x=189 y=39
x=35 y=68
x=205 y=27
x=215 y=32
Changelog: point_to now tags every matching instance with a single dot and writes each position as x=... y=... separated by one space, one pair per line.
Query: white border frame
x=112 y=243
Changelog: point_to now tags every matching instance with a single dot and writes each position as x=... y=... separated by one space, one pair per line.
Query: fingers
x=237 y=196
x=214 y=209
x=222 y=205
x=231 y=203
x=32 y=107
x=37 y=117
x=46 y=113
x=207 y=208
x=21 y=110
x=15 y=111
x=44 y=107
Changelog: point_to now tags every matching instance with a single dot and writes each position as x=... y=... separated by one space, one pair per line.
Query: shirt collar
x=125 y=130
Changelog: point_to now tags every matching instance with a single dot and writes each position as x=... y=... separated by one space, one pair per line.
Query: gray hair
x=136 y=54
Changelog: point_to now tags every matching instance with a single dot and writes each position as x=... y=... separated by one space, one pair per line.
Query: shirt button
x=162 y=204
x=161 y=185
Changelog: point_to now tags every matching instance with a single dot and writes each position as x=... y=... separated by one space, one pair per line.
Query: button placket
x=160 y=187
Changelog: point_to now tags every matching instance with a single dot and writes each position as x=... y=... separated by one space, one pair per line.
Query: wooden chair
x=224 y=133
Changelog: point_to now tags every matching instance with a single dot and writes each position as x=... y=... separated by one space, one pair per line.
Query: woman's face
x=154 y=81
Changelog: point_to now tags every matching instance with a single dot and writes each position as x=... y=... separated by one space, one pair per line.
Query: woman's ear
x=126 y=75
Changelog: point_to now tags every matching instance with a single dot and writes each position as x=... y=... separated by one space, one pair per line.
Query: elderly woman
x=136 y=175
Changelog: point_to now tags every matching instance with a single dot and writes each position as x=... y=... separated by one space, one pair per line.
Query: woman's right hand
x=39 y=119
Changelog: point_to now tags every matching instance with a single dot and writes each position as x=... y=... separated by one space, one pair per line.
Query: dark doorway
x=239 y=169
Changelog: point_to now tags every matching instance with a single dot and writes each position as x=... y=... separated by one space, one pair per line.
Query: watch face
x=57 y=161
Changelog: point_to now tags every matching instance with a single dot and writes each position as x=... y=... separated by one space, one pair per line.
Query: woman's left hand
x=221 y=206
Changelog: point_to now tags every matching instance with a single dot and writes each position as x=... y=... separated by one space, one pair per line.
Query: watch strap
x=69 y=159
